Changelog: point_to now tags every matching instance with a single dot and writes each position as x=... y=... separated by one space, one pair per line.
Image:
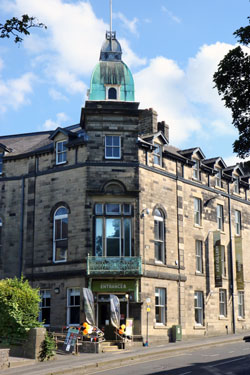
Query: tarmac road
x=228 y=359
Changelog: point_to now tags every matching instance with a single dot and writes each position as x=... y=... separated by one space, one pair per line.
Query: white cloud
x=129 y=57
x=57 y=95
x=13 y=92
x=53 y=124
x=233 y=160
x=129 y=25
x=170 y=14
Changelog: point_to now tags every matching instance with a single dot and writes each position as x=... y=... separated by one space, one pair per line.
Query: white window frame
x=220 y=217
x=157 y=153
x=118 y=90
x=197 y=211
x=196 y=169
x=44 y=294
x=159 y=221
x=199 y=308
x=75 y=292
x=112 y=147
x=218 y=181
x=199 y=256
x=241 y=304
x=62 y=153
x=236 y=186
x=237 y=214
x=223 y=302
x=161 y=294
x=59 y=217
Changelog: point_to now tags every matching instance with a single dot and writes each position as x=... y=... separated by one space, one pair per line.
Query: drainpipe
x=20 y=252
x=231 y=259
x=178 y=249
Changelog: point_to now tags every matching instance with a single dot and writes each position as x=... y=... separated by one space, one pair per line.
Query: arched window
x=60 y=235
x=159 y=235
x=112 y=93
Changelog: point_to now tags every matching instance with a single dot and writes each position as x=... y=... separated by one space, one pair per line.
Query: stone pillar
x=32 y=346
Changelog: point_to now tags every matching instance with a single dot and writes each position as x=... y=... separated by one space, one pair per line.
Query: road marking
x=210 y=355
x=224 y=363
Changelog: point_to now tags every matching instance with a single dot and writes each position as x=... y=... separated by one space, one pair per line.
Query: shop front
x=128 y=293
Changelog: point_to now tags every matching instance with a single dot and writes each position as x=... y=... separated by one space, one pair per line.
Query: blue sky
x=172 y=47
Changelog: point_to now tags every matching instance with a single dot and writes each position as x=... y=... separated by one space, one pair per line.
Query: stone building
x=109 y=204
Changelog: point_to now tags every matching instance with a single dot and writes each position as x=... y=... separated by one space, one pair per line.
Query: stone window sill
x=199 y=327
x=222 y=317
x=160 y=326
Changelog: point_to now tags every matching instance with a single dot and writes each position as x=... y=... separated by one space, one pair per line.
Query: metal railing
x=114 y=265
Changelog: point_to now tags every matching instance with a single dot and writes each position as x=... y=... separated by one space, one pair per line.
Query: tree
x=232 y=80
x=15 y=27
x=19 y=308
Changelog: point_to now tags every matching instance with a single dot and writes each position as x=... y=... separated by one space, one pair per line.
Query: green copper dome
x=111 y=78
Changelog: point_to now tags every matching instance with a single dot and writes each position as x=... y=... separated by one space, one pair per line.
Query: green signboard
x=112 y=286
x=217 y=260
x=239 y=262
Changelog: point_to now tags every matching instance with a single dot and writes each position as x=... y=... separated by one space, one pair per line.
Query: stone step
x=18 y=362
x=111 y=348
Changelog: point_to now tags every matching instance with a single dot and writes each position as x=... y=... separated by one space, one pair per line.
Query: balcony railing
x=109 y=266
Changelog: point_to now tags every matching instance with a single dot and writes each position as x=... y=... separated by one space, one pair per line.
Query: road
x=229 y=359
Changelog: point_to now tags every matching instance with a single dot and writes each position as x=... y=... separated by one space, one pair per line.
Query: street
x=230 y=359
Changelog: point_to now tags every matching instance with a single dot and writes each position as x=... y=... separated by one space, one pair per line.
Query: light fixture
x=57 y=290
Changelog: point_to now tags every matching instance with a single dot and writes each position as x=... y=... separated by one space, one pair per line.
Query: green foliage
x=15 y=27
x=19 y=308
x=232 y=81
x=48 y=348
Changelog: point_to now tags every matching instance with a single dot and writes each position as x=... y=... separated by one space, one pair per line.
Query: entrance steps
x=111 y=346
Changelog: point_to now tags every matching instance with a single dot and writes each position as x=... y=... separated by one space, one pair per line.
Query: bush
x=19 y=308
x=48 y=348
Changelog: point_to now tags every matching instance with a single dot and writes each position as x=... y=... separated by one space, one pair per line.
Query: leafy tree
x=19 y=308
x=15 y=27
x=232 y=80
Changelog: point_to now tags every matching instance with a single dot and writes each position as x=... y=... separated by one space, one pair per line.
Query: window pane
x=113 y=247
x=112 y=208
x=98 y=237
x=65 y=228
x=99 y=209
x=116 y=141
x=127 y=209
x=113 y=236
x=127 y=237
x=58 y=229
x=109 y=152
x=116 y=152
x=109 y=140
x=61 y=211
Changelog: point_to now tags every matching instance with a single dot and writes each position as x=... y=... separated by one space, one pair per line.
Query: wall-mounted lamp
x=210 y=199
x=144 y=212
x=57 y=290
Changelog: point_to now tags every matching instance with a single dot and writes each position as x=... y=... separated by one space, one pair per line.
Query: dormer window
x=112 y=93
x=1 y=163
x=236 y=186
x=157 y=155
x=218 y=177
x=61 y=152
x=196 y=169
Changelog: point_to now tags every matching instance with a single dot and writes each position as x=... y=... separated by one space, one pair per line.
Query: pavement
x=84 y=363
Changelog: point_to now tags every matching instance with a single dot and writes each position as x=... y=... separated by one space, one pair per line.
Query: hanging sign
x=239 y=262
x=89 y=309
x=217 y=260
x=115 y=311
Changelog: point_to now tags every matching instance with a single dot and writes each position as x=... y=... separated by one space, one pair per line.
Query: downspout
x=178 y=249
x=231 y=259
x=20 y=252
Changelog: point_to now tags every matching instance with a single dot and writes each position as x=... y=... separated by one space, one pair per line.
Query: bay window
x=113 y=229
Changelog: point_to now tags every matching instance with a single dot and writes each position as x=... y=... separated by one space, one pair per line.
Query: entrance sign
x=115 y=311
x=70 y=341
x=89 y=308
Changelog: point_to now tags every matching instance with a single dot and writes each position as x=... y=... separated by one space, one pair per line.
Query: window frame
x=63 y=152
x=199 y=308
x=71 y=306
x=196 y=169
x=197 y=211
x=159 y=240
x=47 y=293
x=125 y=220
x=223 y=261
x=218 y=177
x=199 y=256
x=117 y=88
x=1 y=162
x=161 y=294
x=237 y=215
x=236 y=185
x=113 y=147
x=241 y=304
x=57 y=218
x=220 y=217
x=223 y=302
x=157 y=154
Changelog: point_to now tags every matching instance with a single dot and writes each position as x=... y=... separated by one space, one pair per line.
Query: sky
x=172 y=47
